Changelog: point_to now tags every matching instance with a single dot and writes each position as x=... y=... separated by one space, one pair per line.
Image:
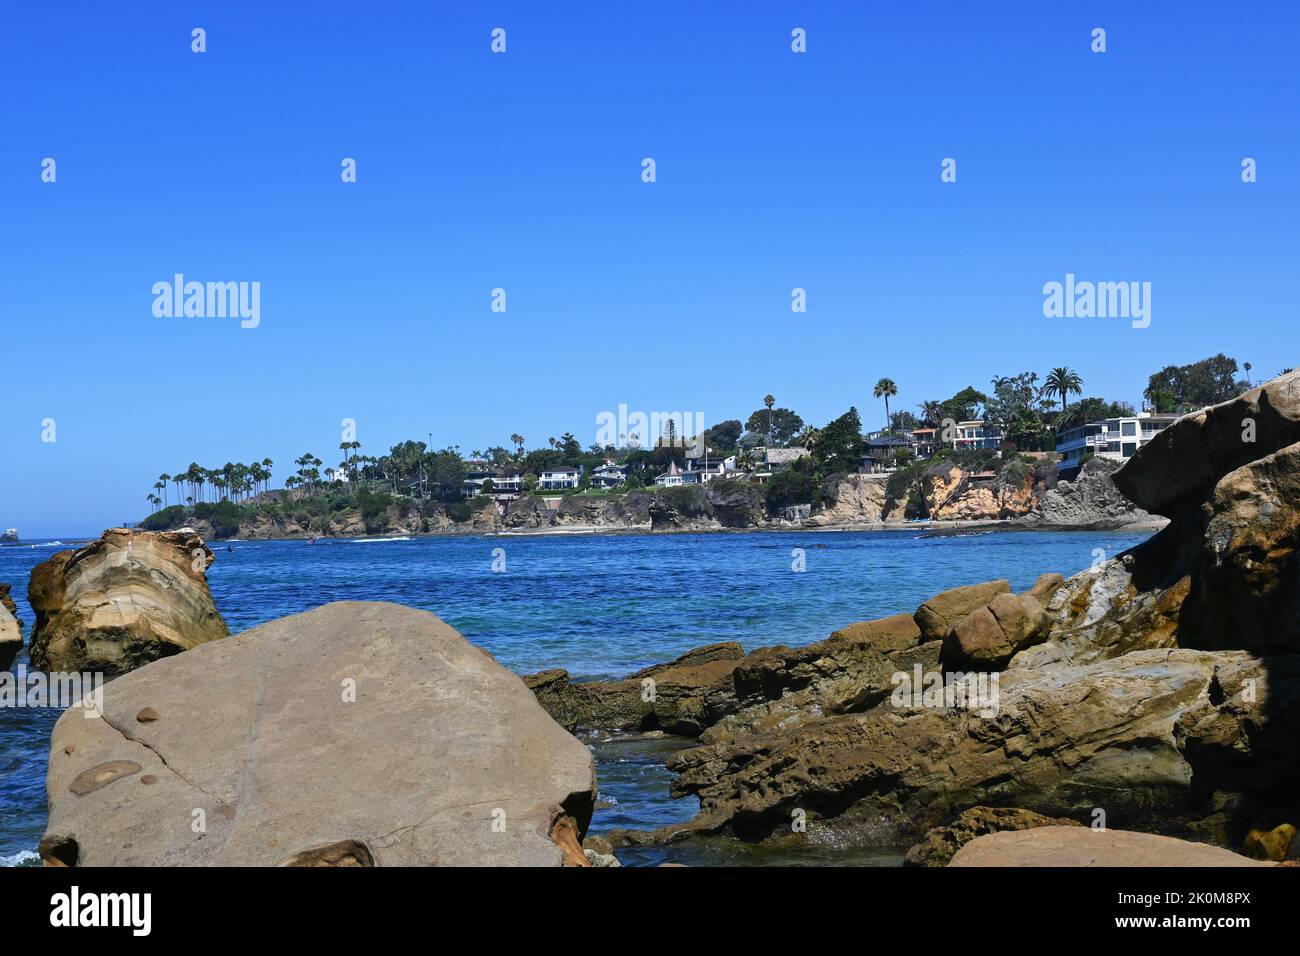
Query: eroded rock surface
x=129 y=598
x=1084 y=846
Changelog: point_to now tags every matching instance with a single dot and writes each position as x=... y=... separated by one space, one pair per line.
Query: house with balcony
x=880 y=453
x=978 y=435
x=559 y=478
x=504 y=485
x=672 y=478
x=1117 y=439
x=608 y=475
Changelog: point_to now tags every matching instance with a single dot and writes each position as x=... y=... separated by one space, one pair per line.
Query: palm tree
x=1063 y=382
x=1248 y=367
x=885 y=388
x=769 y=401
x=163 y=479
x=930 y=412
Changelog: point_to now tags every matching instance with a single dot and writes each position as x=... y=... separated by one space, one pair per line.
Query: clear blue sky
x=522 y=171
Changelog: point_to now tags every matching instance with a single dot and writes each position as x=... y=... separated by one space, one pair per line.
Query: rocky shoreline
x=1142 y=712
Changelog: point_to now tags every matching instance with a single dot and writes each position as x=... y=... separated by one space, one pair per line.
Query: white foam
x=25 y=856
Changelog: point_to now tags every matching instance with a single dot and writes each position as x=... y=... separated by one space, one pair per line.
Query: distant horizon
x=385 y=221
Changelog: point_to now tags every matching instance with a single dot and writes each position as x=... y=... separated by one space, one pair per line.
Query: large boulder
x=936 y=616
x=127 y=599
x=1084 y=846
x=988 y=637
x=11 y=638
x=354 y=734
x=1179 y=468
x=1091 y=500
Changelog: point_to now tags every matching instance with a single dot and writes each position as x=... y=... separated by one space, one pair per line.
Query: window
x=1130 y=429
x=1129 y=448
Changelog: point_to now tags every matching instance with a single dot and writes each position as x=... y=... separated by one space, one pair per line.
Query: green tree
x=1063 y=382
x=886 y=389
x=839 y=445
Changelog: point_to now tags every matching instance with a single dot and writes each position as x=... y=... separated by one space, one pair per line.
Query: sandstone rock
x=1045 y=588
x=988 y=637
x=853 y=499
x=896 y=633
x=1246 y=591
x=1179 y=468
x=1084 y=846
x=11 y=638
x=354 y=733
x=1273 y=844
x=953 y=494
x=7 y=601
x=129 y=598
x=939 y=845
x=937 y=616
x=1149 y=736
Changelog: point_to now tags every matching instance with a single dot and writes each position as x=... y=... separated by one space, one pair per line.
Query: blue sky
x=522 y=171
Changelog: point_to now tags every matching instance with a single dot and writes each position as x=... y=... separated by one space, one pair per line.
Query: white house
x=670 y=478
x=608 y=475
x=1117 y=439
x=559 y=478
x=978 y=434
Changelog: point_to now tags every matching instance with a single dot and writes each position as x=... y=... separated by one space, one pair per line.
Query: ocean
x=600 y=606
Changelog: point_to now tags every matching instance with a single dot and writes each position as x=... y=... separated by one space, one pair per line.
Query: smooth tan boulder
x=11 y=638
x=896 y=633
x=1046 y=587
x=127 y=599
x=1084 y=846
x=354 y=734
x=988 y=637
x=936 y=616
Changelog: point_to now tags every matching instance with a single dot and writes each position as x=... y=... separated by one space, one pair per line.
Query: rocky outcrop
x=1091 y=500
x=1084 y=846
x=127 y=599
x=1157 y=739
x=11 y=638
x=940 y=844
x=954 y=494
x=853 y=500
x=355 y=734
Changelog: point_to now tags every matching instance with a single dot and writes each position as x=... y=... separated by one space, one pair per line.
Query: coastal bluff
x=355 y=734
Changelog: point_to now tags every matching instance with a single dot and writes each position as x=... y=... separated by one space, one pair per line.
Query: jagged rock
x=988 y=637
x=1084 y=846
x=1180 y=466
x=354 y=732
x=129 y=598
x=1091 y=500
x=936 y=616
x=11 y=638
x=954 y=494
x=940 y=844
x=528 y=511
x=1150 y=737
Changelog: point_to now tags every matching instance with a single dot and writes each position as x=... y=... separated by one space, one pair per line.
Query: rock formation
x=129 y=598
x=954 y=494
x=356 y=734
x=11 y=638
x=1160 y=687
x=1091 y=500
x=7 y=601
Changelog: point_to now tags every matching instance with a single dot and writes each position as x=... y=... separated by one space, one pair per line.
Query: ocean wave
x=377 y=540
x=22 y=858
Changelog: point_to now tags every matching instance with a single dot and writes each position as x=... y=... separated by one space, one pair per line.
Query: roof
x=781 y=456
x=560 y=470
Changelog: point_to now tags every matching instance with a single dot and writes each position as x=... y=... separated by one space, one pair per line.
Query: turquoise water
x=599 y=606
